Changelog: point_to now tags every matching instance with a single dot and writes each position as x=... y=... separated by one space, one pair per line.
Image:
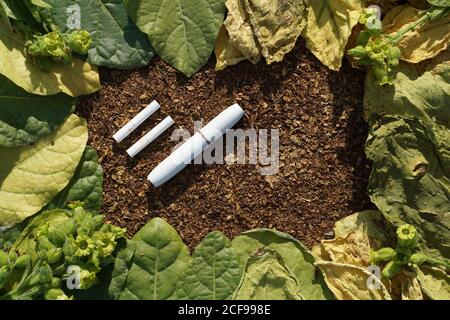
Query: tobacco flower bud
x=391 y=269
x=22 y=262
x=56 y=294
x=4 y=260
x=358 y=52
x=79 y=41
x=384 y=254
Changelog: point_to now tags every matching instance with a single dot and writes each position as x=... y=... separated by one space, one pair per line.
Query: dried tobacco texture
x=409 y=182
x=435 y=282
x=410 y=147
x=422 y=43
x=240 y=31
x=226 y=52
x=355 y=237
x=349 y=282
x=276 y=24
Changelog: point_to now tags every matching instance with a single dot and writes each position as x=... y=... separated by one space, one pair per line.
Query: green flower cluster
x=404 y=254
x=376 y=50
x=56 y=47
x=380 y=51
x=83 y=243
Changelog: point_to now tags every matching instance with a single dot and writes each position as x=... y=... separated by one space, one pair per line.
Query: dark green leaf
x=118 y=43
x=149 y=266
x=85 y=186
x=183 y=32
x=214 y=272
x=25 y=118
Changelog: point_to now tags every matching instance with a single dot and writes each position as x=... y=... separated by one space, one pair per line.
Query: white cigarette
x=136 y=121
x=150 y=137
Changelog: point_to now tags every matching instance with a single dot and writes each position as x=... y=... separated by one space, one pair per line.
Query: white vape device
x=193 y=147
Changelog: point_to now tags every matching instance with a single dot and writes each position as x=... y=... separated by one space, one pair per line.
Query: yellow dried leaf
x=226 y=53
x=355 y=237
x=410 y=286
x=420 y=44
x=349 y=282
x=75 y=79
x=240 y=31
x=277 y=24
x=330 y=24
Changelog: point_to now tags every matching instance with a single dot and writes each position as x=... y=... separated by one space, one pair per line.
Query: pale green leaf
x=183 y=32
x=440 y=3
x=214 y=271
x=25 y=118
x=31 y=176
x=149 y=267
x=435 y=283
x=266 y=277
x=240 y=33
x=297 y=257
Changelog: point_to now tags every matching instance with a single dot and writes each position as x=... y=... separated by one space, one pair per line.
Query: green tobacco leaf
x=182 y=32
x=150 y=265
x=86 y=185
x=214 y=272
x=350 y=282
x=266 y=277
x=276 y=24
x=117 y=42
x=75 y=79
x=31 y=176
x=330 y=24
x=435 y=283
x=25 y=118
x=410 y=181
x=439 y=3
x=297 y=257
x=415 y=93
